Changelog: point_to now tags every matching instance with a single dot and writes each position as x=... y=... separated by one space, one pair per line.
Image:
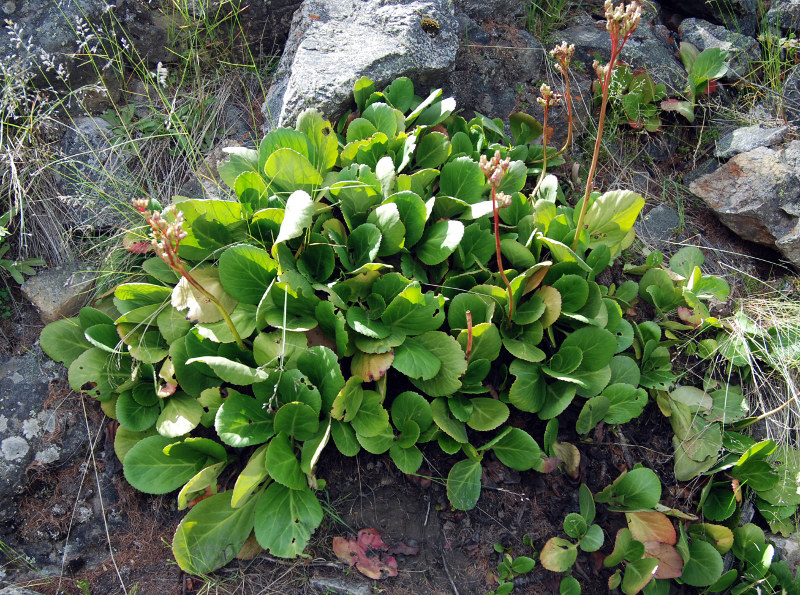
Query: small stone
x=9 y=8
x=660 y=223
x=338 y=586
x=14 y=447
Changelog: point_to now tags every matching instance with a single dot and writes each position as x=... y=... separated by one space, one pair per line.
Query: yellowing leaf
x=651 y=526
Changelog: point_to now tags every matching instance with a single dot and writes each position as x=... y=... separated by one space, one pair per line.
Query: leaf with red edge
x=670 y=563
x=136 y=243
x=691 y=317
x=651 y=526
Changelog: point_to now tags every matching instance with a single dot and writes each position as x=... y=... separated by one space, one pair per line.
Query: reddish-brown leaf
x=651 y=526
x=670 y=563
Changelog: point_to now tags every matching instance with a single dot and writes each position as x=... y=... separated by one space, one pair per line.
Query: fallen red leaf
x=364 y=552
x=670 y=563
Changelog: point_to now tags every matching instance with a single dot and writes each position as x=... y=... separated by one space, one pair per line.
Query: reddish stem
x=469 y=335
x=499 y=257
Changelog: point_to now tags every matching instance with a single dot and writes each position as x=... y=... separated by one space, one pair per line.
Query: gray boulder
x=736 y=15
x=332 y=43
x=784 y=14
x=748 y=138
x=744 y=50
x=498 y=11
x=650 y=48
x=757 y=195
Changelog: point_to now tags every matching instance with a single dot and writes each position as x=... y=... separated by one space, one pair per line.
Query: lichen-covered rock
x=332 y=43
x=744 y=50
x=757 y=195
x=26 y=428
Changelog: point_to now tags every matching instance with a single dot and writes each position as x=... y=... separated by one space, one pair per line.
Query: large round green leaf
x=487 y=414
x=518 y=450
x=704 y=565
x=63 y=340
x=285 y=520
x=151 y=471
x=413 y=214
x=411 y=406
x=297 y=420
x=133 y=416
x=243 y=421
x=408 y=460
x=212 y=533
x=439 y=241
x=454 y=364
x=246 y=272
x=597 y=344
x=462 y=178
x=288 y=170
x=180 y=416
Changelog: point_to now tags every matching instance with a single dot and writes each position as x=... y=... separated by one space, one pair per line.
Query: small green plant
x=558 y=554
x=702 y=71
x=545 y=16
x=16 y=268
x=509 y=568
x=633 y=97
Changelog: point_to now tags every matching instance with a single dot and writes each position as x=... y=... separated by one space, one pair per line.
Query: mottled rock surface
x=334 y=43
x=59 y=292
x=757 y=195
x=748 y=138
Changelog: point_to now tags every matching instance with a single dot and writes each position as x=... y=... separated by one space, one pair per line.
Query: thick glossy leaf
x=282 y=464
x=246 y=272
x=197 y=306
x=454 y=364
x=413 y=215
x=290 y=171
x=719 y=536
x=651 y=526
x=411 y=406
x=597 y=345
x=372 y=419
x=363 y=244
x=518 y=450
x=637 y=489
x=408 y=460
x=231 y=371
x=298 y=420
x=452 y=427
x=704 y=565
x=433 y=150
x=181 y=414
x=529 y=390
x=325 y=147
x=462 y=178
x=133 y=415
x=212 y=533
x=487 y=414
x=151 y=471
x=610 y=218
x=439 y=241
x=637 y=574
x=254 y=473
x=297 y=218
x=243 y=421
x=63 y=340
x=464 y=484
x=592 y=414
x=285 y=520
x=626 y=402
x=486 y=342
x=99 y=373
x=279 y=349
x=386 y=218
x=415 y=361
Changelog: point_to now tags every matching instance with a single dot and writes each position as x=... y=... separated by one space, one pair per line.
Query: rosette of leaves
x=357 y=301
x=681 y=286
x=633 y=96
